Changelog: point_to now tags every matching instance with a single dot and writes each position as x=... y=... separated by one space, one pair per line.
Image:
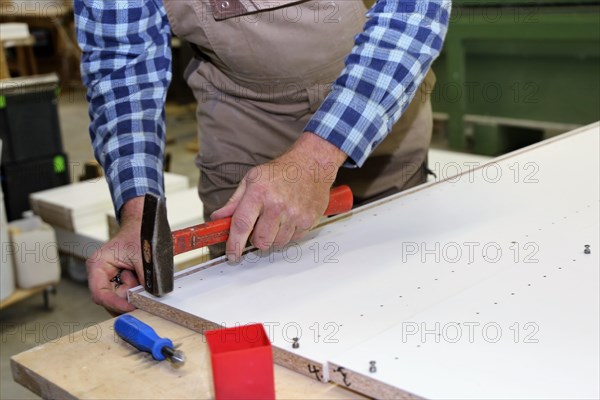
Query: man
x=273 y=131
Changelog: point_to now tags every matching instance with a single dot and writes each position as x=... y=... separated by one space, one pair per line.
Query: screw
x=372 y=367
x=295 y=345
x=587 y=249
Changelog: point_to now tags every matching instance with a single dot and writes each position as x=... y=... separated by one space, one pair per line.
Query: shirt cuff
x=350 y=121
x=134 y=176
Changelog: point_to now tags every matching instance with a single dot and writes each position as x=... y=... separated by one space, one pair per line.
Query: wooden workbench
x=96 y=364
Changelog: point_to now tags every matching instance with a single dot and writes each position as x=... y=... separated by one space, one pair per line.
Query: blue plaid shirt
x=126 y=66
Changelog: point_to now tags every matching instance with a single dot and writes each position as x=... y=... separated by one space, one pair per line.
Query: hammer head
x=157 y=247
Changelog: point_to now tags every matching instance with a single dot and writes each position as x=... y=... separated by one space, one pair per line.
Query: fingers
x=284 y=234
x=120 y=257
x=128 y=280
x=228 y=209
x=103 y=290
x=274 y=225
x=271 y=211
x=299 y=233
x=267 y=226
x=242 y=223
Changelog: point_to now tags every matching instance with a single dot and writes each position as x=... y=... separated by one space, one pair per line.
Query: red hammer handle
x=195 y=237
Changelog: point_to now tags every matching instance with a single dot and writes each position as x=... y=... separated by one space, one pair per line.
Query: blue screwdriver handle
x=142 y=336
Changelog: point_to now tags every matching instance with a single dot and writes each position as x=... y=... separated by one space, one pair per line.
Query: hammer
x=160 y=245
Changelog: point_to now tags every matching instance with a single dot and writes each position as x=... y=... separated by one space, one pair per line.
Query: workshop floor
x=27 y=324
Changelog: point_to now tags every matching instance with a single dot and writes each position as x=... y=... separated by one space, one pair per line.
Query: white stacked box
x=184 y=209
x=84 y=204
x=14 y=30
x=7 y=275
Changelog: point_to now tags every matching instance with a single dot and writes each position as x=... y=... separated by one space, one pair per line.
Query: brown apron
x=266 y=67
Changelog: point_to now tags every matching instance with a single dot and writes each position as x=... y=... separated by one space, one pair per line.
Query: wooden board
x=461 y=251
x=94 y=363
x=4 y=72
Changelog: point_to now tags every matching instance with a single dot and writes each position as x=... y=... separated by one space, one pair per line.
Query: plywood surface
x=96 y=364
x=499 y=247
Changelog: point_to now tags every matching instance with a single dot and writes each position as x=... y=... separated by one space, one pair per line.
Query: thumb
x=228 y=209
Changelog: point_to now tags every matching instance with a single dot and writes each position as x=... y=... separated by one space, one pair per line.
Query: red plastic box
x=242 y=363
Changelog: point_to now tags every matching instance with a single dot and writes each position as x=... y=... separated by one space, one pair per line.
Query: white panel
x=445 y=164
x=365 y=278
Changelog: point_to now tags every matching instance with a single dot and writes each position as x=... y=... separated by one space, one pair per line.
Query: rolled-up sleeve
x=126 y=67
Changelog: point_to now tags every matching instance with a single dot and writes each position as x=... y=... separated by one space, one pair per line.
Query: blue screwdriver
x=144 y=338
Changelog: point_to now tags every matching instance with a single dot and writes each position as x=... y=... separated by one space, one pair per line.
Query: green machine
x=514 y=72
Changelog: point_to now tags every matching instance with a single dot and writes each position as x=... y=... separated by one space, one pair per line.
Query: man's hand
x=281 y=200
x=122 y=253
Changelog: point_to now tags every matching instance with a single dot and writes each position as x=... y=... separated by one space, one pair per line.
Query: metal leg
x=457 y=109
x=47 y=292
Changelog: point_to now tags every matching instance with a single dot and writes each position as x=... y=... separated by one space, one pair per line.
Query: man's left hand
x=280 y=201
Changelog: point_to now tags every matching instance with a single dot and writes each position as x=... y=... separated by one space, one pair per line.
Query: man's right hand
x=121 y=253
